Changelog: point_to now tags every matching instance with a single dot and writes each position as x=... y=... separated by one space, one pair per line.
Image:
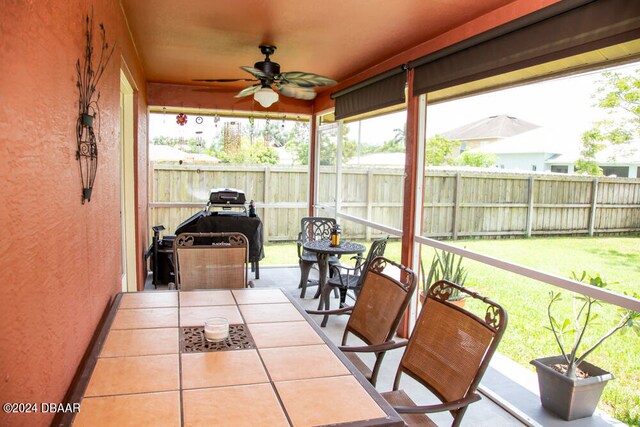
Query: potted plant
x=570 y=387
x=444 y=266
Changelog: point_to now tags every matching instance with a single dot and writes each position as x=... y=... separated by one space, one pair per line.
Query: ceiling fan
x=295 y=84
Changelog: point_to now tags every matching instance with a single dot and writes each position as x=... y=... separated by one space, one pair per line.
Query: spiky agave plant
x=445 y=266
x=569 y=333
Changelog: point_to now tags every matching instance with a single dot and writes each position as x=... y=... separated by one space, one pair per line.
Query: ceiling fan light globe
x=266 y=97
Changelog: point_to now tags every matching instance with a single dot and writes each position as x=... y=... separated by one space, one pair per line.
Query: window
x=559 y=168
x=618 y=171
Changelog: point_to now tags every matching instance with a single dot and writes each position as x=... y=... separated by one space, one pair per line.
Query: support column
x=313 y=156
x=410 y=169
x=410 y=196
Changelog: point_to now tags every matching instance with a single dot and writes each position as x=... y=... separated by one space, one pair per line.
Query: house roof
x=493 y=127
x=379 y=159
x=167 y=153
x=612 y=155
x=539 y=140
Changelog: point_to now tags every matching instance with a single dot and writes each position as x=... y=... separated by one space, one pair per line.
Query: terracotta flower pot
x=567 y=398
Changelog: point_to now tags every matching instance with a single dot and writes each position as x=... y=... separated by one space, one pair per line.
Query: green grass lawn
x=617 y=259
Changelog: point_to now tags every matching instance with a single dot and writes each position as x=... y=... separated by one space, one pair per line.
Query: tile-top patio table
x=149 y=365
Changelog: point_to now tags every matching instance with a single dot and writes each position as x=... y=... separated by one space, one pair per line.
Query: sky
x=564 y=106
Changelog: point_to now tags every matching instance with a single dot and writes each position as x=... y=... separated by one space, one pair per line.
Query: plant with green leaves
x=569 y=333
x=445 y=266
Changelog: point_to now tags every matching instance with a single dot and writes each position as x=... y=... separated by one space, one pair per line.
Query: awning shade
x=551 y=33
x=379 y=92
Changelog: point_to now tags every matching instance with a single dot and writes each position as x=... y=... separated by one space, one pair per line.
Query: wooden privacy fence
x=457 y=204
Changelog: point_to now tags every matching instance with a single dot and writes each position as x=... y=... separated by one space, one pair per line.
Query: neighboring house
x=379 y=159
x=623 y=162
x=526 y=151
x=486 y=131
x=166 y=153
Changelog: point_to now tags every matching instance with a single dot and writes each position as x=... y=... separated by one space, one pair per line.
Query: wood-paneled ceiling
x=181 y=41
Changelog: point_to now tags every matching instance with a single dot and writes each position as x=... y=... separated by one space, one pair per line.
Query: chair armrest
x=376 y=348
x=351 y=271
x=343 y=310
x=299 y=243
x=440 y=407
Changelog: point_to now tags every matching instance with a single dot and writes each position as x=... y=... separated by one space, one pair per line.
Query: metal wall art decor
x=89 y=75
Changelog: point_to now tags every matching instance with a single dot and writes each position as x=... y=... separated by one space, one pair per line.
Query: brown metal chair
x=448 y=352
x=351 y=278
x=211 y=260
x=377 y=312
x=312 y=228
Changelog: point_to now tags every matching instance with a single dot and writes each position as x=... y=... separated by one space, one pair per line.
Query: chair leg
x=305 y=269
x=343 y=296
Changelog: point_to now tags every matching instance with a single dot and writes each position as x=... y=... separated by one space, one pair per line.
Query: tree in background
x=298 y=145
x=439 y=151
x=619 y=96
x=478 y=160
x=397 y=144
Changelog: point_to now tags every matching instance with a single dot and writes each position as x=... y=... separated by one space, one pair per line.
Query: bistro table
x=150 y=365
x=323 y=250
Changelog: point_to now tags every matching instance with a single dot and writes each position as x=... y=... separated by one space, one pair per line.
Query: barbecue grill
x=226 y=211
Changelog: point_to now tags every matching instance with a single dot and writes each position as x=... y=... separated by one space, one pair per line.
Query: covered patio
x=70 y=251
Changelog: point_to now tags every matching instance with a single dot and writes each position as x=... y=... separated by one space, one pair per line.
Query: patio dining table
x=149 y=364
x=323 y=250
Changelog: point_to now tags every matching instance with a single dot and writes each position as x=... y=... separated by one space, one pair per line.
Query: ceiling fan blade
x=303 y=79
x=223 y=80
x=295 y=91
x=255 y=72
x=249 y=90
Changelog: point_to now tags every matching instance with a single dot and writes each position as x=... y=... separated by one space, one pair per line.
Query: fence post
x=267 y=200
x=592 y=213
x=456 y=205
x=369 y=201
x=530 y=206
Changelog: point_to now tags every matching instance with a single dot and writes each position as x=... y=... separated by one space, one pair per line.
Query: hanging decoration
x=283 y=119
x=199 y=120
x=216 y=120
x=181 y=119
x=89 y=75
x=199 y=140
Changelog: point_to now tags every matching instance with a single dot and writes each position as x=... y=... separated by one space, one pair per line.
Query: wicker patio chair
x=312 y=228
x=351 y=278
x=448 y=352
x=377 y=312
x=211 y=260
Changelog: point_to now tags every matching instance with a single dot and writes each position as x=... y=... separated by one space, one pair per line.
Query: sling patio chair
x=312 y=228
x=211 y=261
x=351 y=278
x=448 y=352
x=377 y=312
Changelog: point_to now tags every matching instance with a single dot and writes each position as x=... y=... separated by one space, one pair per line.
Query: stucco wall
x=60 y=261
